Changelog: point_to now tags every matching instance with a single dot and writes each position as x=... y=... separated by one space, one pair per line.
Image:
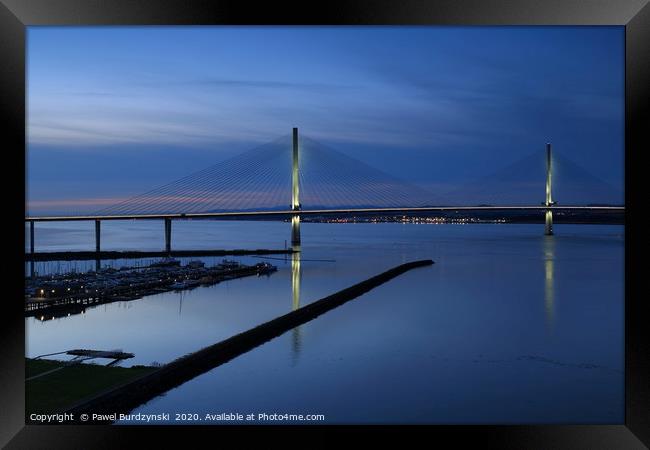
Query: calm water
x=509 y=326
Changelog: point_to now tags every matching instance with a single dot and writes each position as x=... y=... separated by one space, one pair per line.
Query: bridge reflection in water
x=548 y=248
x=296 y=278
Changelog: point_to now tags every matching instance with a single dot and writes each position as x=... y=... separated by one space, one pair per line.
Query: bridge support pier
x=295 y=230
x=168 y=235
x=98 y=235
x=31 y=248
x=31 y=237
x=548 y=224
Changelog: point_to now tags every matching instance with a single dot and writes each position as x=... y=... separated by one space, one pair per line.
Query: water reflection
x=296 y=278
x=549 y=295
x=446 y=322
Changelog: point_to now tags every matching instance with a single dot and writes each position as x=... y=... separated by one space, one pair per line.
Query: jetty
x=81 y=355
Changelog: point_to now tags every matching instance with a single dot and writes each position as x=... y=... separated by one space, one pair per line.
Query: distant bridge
x=320 y=212
x=251 y=180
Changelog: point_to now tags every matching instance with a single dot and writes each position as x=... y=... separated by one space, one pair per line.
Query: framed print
x=360 y=217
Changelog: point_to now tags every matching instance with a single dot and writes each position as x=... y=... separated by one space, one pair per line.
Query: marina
x=60 y=294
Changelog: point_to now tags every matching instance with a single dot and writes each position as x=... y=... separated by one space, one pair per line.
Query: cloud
x=262 y=84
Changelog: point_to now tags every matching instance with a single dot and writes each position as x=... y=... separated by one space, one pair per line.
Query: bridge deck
x=324 y=212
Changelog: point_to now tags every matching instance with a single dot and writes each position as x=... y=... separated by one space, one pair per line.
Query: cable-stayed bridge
x=292 y=177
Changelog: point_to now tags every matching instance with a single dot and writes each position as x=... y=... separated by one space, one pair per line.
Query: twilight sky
x=115 y=111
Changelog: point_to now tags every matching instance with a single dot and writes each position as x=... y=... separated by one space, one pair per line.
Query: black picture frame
x=15 y=15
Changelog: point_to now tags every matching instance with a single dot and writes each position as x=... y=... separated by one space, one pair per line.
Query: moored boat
x=166 y=262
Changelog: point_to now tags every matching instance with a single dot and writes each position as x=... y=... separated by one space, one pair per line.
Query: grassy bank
x=65 y=387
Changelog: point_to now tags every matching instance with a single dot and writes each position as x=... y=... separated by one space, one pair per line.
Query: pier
x=81 y=355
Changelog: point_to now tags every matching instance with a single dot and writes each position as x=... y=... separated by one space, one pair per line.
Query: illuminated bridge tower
x=548 y=229
x=295 y=199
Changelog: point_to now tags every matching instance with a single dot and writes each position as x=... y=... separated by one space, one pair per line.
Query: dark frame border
x=15 y=15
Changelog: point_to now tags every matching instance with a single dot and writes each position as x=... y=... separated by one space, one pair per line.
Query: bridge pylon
x=295 y=192
x=548 y=226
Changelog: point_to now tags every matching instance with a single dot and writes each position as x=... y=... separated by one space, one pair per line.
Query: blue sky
x=114 y=111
